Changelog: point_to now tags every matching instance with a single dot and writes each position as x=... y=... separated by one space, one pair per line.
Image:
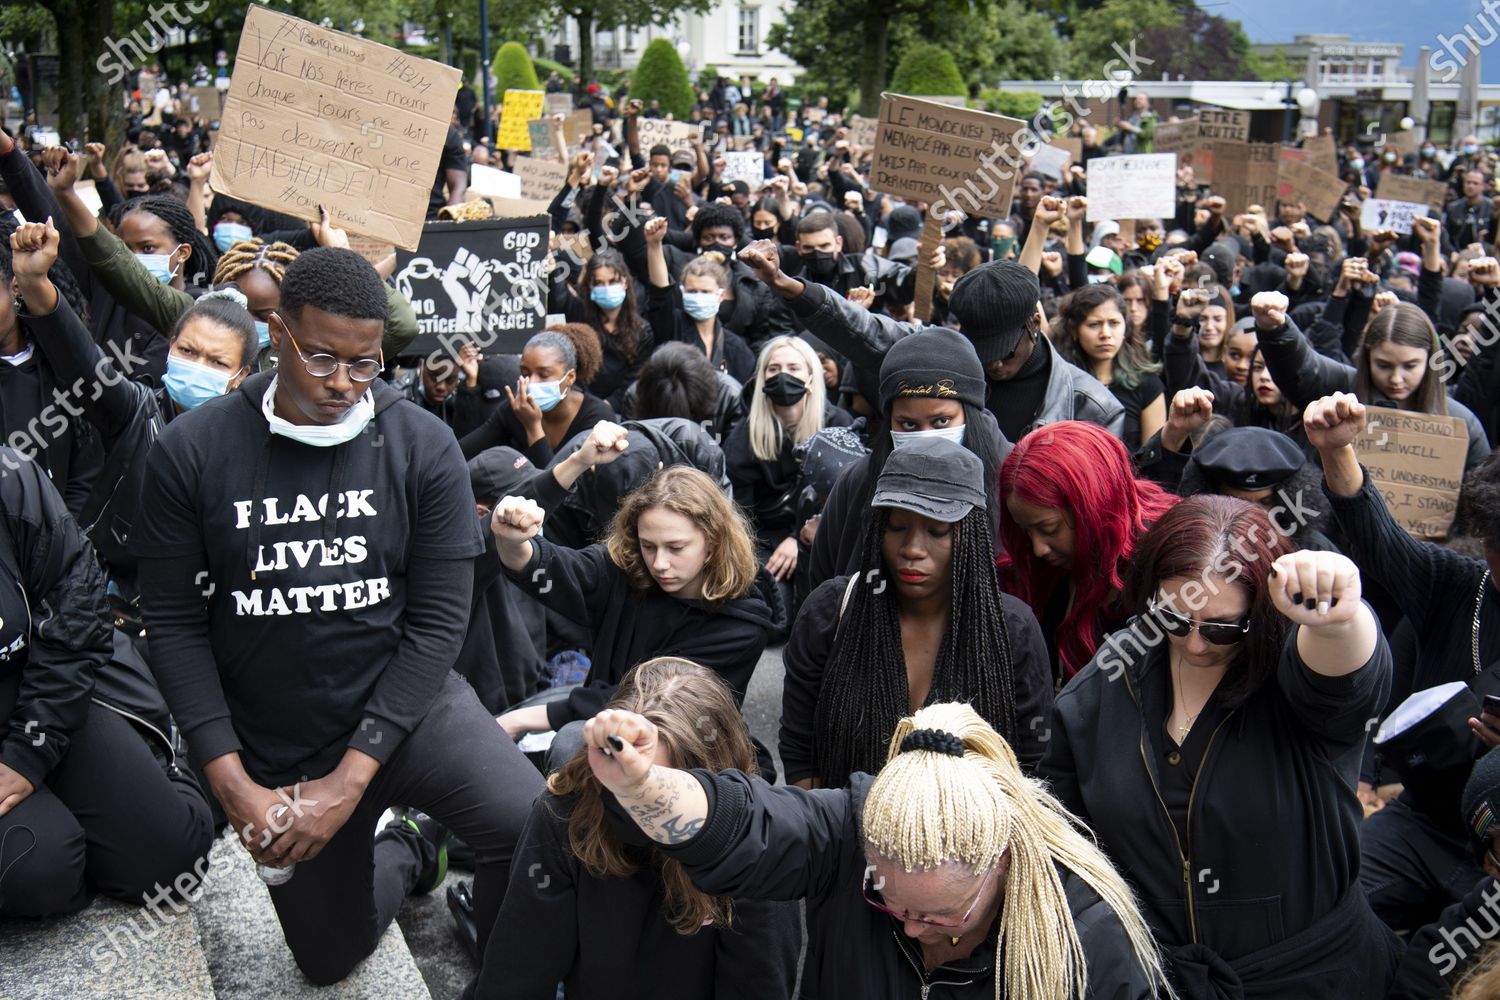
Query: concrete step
x=248 y=956
x=110 y=951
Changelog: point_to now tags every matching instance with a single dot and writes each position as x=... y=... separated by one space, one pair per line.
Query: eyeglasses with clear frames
x=324 y=365
x=867 y=888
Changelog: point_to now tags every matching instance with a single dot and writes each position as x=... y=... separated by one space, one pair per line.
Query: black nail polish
x=1310 y=604
x=616 y=742
x=1297 y=597
x=1333 y=603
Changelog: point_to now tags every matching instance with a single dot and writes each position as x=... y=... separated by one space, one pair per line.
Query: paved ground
x=425 y=920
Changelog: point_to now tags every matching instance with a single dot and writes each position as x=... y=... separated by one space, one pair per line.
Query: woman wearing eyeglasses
x=949 y=874
x=1214 y=744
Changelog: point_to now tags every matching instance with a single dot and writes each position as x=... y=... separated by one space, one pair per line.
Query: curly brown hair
x=590 y=353
x=730 y=570
x=698 y=722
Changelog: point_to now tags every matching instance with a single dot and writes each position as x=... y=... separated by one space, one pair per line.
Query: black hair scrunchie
x=934 y=740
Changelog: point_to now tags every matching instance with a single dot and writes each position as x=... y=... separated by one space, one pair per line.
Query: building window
x=749 y=29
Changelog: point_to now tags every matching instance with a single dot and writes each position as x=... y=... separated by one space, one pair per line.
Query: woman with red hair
x=1072 y=509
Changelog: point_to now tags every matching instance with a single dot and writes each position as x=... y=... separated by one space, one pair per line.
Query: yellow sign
x=519 y=108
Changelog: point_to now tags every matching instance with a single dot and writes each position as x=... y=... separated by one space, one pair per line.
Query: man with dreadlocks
x=950 y=868
x=922 y=621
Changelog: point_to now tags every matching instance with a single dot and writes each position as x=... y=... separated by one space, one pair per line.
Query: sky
x=1412 y=24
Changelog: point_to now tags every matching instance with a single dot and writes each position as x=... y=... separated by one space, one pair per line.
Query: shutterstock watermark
x=1468 y=937
x=1449 y=60
x=159 y=909
x=115 y=64
x=1146 y=631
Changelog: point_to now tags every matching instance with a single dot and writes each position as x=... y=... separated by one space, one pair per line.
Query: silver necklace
x=1474 y=632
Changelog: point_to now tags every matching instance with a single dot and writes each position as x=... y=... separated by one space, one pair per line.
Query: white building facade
x=731 y=37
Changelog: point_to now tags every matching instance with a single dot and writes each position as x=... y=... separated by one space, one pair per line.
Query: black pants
x=108 y=819
x=457 y=766
x=1411 y=868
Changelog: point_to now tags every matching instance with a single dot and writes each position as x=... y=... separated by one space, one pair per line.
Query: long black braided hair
x=199 y=267
x=864 y=692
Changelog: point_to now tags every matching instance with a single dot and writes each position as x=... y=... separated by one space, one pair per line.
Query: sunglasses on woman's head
x=1217 y=633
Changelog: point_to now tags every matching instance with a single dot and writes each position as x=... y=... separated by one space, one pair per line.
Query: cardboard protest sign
x=1216 y=125
x=952 y=158
x=1072 y=144
x=476 y=281
x=1403 y=142
x=1321 y=192
x=540 y=179
x=1142 y=186
x=660 y=131
x=749 y=167
x=1246 y=174
x=815 y=115
x=557 y=104
x=1377 y=214
x=1179 y=138
x=317 y=117
x=578 y=127
x=1321 y=153
x=373 y=251
x=540 y=131
x=518 y=108
x=575 y=246
x=1397 y=187
x=744 y=142
x=1050 y=160
x=862 y=131
x=956 y=100
x=1416 y=461
x=204 y=102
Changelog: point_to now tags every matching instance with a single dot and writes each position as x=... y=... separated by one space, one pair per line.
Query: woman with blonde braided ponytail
x=949 y=874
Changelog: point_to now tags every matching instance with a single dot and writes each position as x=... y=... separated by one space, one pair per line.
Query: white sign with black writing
x=1143 y=186
x=1381 y=214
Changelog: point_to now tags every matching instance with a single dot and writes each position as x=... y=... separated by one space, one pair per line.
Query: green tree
x=513 y=70
x=1020 y=104
x=1273 y=67
x=606 y=15
x=1098 y=32
x=928 y=69
x=848 y=44
x=1005 y=41
x=660 y=76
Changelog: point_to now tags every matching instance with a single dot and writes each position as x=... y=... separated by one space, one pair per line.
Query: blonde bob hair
x=730 y=569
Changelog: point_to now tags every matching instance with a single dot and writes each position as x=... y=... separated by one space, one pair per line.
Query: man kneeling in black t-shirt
x=306 y=562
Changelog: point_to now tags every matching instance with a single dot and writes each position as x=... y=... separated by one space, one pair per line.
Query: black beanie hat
x=935 y=363
x=1482 y=802
x=993 y=304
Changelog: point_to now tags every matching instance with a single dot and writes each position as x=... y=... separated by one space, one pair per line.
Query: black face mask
x=727 y=249
x=819 y=266
x=784 y=389
x=763 y=234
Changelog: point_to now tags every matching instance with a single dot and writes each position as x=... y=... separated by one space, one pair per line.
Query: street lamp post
x=484 y=64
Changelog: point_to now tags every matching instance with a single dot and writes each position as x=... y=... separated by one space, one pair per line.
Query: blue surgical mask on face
x=159 y=264
x=1470 y=149
x=545 y=395
x=263 y=331
x=900 y=439
x=192 y=384
x=701 y=305
x=1357 y=163
x=227 y=234
x=607 y=296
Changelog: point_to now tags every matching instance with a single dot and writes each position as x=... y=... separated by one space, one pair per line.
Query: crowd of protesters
x=1109 y=671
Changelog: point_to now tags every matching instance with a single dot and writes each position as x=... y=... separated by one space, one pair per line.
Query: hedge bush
x=513 y=69
x=927 y=70
x=660 y=76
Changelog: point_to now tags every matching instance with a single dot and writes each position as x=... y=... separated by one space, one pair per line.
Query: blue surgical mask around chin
x=900 y=439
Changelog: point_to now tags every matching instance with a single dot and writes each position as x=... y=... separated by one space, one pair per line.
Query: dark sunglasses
x=1218 y=633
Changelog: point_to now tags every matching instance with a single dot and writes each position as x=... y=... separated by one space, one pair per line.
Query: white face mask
x=900 y=439
x=349 y=427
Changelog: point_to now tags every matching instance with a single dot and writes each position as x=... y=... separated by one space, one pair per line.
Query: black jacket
x=629 y=625
x=729 y=408
x=811 y=645
x=1265 y=875
x=1439 y=954
x=609 y=938
x=864 y=337
x=503 y=427
x=670 y=322
x=54 y=639
x=765 y=842
x=464 y=410
x=768 y=490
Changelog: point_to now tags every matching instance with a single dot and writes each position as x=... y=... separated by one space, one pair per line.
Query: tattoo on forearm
x=658 y=813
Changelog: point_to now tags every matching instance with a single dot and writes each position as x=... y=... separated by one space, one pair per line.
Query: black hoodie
x=317 y=632
x=629 y=626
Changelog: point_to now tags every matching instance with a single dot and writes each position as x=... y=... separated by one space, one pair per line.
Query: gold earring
x=953 y=941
